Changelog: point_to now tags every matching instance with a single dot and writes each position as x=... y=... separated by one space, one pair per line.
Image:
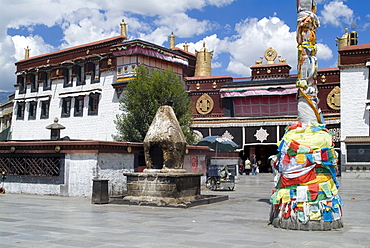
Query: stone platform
x=163 y=189
x=168 y=202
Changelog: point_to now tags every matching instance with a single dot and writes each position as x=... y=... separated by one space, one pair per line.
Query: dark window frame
x=66 y=107
x=45 y=107
x=94 y=99
x=20 y=110
x=79 y=106
x=22 y=84
x=68 y=79
x=95 y=68
x=32 y=109
x=79 y=71
x=34 y=82
x=46 y=80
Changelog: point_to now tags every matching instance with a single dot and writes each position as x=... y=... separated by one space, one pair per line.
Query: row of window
x=78 y=107
x=74 y=74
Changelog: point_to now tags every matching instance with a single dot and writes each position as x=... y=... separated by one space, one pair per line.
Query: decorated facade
x=255 y=111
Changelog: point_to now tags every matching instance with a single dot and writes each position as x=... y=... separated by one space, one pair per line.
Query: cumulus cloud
x=12 y=49
x=253 y=38
x=336 y=13
x=324 y=52
x=36 y=42
x=183 y=25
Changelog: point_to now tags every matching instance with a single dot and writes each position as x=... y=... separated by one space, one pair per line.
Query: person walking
x=254 y=164
x=247 y=166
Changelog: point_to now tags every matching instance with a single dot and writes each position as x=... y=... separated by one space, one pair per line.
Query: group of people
x=250 y=166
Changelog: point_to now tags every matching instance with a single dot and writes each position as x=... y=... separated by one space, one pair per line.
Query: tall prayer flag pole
x=306 y=192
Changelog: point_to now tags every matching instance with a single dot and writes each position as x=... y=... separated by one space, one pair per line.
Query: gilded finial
x=123 y=28
x=203 y=62
x=172 y=40
x=27 y=52
x=186 y=46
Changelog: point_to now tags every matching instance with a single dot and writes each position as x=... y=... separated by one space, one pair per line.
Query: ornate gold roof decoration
x=270 y=55
x=186 y=46
x=203 y=64
x=27 y=52
x=333 y=98
x=123 y=28
x=172 y=40
x=204 y=104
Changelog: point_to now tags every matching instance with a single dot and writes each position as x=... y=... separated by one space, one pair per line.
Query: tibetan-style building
x=254 y=112
x=81 y=86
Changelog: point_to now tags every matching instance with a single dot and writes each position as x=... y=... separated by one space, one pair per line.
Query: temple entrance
x=263 y=152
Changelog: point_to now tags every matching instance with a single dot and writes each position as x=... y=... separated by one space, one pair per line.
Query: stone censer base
x=165 y=189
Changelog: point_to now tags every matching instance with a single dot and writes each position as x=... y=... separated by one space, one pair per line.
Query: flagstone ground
x=242 y=221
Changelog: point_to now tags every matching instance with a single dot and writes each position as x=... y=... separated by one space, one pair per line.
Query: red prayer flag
x=314 y=191
x=311 y=175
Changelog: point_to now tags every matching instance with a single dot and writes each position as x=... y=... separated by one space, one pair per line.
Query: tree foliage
x=140 y=101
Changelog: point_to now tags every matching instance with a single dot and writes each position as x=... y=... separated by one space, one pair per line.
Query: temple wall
x=86 y=127
x=354 y=117
x=80 y=170
x=79 y=163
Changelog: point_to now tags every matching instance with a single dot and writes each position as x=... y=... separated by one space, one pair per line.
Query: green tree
x=140 y=101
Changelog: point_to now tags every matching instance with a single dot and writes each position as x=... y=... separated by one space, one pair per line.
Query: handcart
x=220 y=177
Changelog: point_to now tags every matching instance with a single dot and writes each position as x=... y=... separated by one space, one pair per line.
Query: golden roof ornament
x=186 y=46
x=27 y=52
x=344 y=40
x=270 y=55
x=203 y=62
x=123 y=28
x=172 y=40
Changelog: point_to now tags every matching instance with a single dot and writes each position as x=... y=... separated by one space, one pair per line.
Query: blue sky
x=238 y=31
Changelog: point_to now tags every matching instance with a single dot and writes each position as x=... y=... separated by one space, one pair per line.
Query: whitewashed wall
x=80 y=170
x=97 y=127
x=354 y=116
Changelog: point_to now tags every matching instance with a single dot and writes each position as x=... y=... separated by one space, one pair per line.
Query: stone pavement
x=242 y=221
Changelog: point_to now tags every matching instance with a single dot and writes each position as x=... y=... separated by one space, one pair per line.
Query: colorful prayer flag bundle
x=306 y=188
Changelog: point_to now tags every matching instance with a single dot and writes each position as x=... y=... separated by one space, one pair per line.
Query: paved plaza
x=242 y=221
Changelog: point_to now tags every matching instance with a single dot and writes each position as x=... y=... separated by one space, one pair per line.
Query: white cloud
x=7 y=60
x=336 y=13
x=183 y=25
x=216 y=65
x=12 y=49
x=35 y=43
x=254 y=37
x=324 y=52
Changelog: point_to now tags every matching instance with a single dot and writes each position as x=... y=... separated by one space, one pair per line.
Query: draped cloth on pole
x=306 y=192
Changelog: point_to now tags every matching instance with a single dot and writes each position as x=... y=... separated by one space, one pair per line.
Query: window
x=45 y=109
x=93 y=103
x=79 y=71
x=68 y=79
x=22 y=84
x=46 y=80
x=95 y=72
x=66 y=107
x=34 y=84
x=32 y=106
x=79 y=105
x=20 y=110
